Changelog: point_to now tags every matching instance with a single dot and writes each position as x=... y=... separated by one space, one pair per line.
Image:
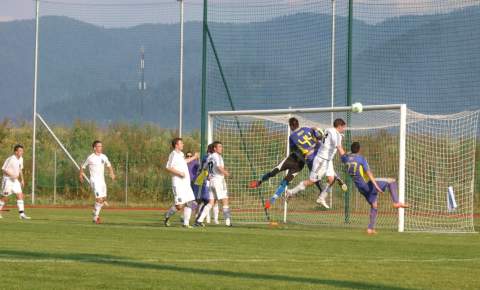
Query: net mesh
x=254 y=145
x=93 y=86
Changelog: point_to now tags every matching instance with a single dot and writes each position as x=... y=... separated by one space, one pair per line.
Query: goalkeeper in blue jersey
x=303 y=142
x=368 y=185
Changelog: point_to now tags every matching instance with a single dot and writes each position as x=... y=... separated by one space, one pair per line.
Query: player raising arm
x=181 y=187
x=325 y=154
x=12 y=181
x=303 y=143
x=96 y=163
x=368 y=185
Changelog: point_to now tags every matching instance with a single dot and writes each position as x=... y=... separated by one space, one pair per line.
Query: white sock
x=98 y=208
x=216 y=210
x=187 y=213
x=208 y=217
x=206 y=209
x=325 y=191
x=2 y=203
x=20 y=205
x=226 y=214
x=298 y=188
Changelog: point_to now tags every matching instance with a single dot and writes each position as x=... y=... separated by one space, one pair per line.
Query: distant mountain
x=90 y=72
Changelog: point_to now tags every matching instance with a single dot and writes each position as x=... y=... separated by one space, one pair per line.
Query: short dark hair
x=293 y=123
x=355 y=147
x=338 y=122
x=210 y=148
x=189 y=153
x=175 y=141
x=95 y=143
x=16 y=147
x=215 y=144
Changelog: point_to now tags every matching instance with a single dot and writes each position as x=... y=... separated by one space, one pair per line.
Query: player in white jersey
x=324 y=160
x=217 y=184
x=12 y=181
x=96 y=163
x=181 y=186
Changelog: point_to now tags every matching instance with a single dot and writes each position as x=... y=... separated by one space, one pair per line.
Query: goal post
x=227 y=126
x=398 y=143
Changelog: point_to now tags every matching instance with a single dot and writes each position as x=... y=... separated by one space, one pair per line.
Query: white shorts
x=10 y=186
x=99 y=188
x=320 y=168
x=182 y=194
x=330 y=169
x=218 y=189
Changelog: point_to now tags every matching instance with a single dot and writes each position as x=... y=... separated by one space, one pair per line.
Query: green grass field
x=62 y=249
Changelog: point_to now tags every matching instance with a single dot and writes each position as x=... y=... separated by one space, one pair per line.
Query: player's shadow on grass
x=129 y=263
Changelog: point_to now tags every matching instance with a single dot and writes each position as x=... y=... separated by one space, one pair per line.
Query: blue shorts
x=369 y=191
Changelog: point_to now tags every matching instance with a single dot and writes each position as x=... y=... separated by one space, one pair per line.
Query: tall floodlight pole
x=333 y=59
x=35 y=86
x=203 y=143
x=333 y=70
x=180 y=97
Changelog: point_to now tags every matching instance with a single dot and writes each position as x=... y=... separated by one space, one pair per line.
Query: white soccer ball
x=357 y=108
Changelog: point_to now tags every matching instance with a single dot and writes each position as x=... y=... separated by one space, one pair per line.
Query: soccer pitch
x=62 y=249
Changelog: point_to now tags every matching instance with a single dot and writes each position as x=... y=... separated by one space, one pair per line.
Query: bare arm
x=223 y=170
x=341 y=151
x=80 y=177
x=175 y=172
x=372 y=178
x=8 y=173
x=112 y=175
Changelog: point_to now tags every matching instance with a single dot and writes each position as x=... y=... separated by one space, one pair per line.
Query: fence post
x=126 y=179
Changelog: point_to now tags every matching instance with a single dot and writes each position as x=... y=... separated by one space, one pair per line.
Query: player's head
x=18 y=150
x=177 y=143
x=293 y=123
x=97 y=146
x=189 y=154
x=355 y=147
x=217 y=147
x=340 y=125
x=210 y=148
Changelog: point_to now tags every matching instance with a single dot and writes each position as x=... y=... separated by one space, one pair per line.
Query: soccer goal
x=431 y=157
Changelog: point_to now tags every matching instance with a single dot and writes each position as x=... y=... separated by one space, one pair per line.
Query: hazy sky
x=25 y=9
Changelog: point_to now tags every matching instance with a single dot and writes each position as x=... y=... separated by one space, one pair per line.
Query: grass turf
x=62 y=249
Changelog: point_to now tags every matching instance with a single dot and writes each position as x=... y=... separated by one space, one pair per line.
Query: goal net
x=431 y=157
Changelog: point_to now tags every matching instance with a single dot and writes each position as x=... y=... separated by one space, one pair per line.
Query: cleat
x=401 y=205
x=166 y=222
x=322 y=202
x=371 y=232
x=216 y=222
x=199 y=225
x=187 y=226
x=24 y=217
x=97 y=220
x=228 y=222
x=254 y=184
x=267 y=204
